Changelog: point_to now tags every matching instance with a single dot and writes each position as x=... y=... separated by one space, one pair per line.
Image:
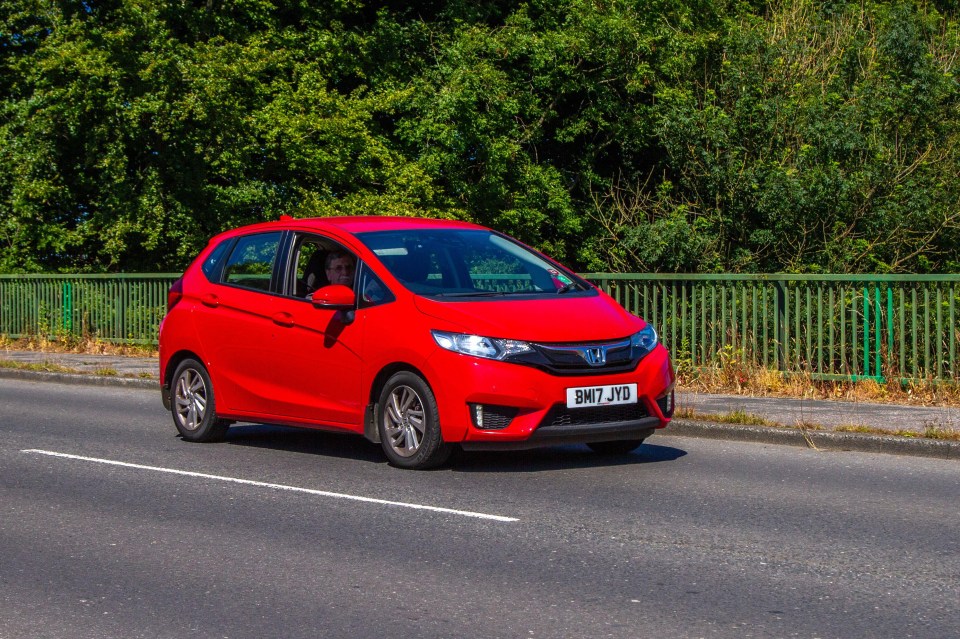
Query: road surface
x=111 y=526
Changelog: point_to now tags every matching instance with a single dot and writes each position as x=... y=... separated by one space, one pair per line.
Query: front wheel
x=409 y=423
x=193 y=406
x=621 y=447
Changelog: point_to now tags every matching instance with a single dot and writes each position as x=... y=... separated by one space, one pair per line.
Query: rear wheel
x=193 y=406
x=621 y=447
x=409 y=423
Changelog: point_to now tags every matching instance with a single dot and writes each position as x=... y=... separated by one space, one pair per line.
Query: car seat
x=314 y=274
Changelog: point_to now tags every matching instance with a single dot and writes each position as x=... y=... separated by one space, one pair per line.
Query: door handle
x=283 y=319
x=210 y=300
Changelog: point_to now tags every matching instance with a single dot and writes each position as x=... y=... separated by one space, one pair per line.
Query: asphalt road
x=321 y=538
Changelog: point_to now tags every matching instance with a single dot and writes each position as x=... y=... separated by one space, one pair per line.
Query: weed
x=76 y=344
x=733 y=373
x=733 y=417
x=934 y=432
x=856 y=428
x=930 y=432
x=40 y=367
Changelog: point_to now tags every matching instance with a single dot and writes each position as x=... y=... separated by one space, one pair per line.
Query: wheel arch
x=171 y=368
x=370 y=430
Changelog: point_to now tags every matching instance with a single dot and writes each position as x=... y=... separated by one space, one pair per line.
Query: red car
x=419 y=334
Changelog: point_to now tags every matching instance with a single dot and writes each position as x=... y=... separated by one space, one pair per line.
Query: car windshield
x=465 y=263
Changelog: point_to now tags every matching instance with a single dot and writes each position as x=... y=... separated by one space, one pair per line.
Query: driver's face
x=340 y=271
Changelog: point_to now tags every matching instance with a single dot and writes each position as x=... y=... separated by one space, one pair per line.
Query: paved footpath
x=819 y=417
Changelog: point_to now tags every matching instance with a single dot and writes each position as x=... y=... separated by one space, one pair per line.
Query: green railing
x=114 y=308
x=828 y=326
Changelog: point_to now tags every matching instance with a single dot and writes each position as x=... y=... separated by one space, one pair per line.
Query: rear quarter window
x=214 y=262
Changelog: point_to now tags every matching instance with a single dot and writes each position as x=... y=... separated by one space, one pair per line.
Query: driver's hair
x=334 y=255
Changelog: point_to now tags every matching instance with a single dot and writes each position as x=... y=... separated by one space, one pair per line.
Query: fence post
x=891 y=357
x=878 y=334
x=867 y=329
x=780 y=325
x=68 y=307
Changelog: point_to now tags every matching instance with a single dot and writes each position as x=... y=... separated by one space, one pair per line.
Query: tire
x=409 y=423
x=621 y=447
x=193 y=405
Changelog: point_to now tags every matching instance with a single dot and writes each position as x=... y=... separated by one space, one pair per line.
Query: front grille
x=571 y=356
x=581 y=358
x=560 y=416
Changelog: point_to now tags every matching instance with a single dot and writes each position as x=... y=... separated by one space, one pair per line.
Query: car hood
x=551 y=319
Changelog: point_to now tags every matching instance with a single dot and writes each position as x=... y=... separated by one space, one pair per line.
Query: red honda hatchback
x=419 y=334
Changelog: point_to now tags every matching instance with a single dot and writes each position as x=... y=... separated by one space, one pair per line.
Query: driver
x=339 y=267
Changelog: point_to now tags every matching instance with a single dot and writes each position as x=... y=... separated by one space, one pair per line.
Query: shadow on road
x=559 y=458
x=346 y=446
x=306 y=441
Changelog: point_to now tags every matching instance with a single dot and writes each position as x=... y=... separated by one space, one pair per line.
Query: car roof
x=350 y=224
x=363 y=224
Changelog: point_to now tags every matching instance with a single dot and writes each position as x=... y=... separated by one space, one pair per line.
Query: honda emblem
x=596 y=356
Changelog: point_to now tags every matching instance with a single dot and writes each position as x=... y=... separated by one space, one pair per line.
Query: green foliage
x=825 y=141
x=665 y=135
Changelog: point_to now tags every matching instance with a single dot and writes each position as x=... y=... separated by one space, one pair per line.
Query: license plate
x=609 y=395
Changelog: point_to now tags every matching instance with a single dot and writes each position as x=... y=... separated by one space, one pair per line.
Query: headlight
x=479 y=346
x=644 y=341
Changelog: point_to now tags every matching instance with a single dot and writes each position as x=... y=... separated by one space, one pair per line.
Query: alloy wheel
x=191 y=399
x=403 y=421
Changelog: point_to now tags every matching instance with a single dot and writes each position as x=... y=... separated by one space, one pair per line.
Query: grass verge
x=52 y=367
x=74 y=344
x=39 y=367
x=930 y=432
x=743 y=418
x=740 y=417
x=731 y=375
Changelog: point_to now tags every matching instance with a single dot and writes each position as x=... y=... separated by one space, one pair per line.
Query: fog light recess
x=491 y=416
x=666 y=404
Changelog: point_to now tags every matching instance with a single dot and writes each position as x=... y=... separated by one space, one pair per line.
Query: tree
x=658 y=135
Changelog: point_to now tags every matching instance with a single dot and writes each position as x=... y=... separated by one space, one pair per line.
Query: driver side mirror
x=334 y=297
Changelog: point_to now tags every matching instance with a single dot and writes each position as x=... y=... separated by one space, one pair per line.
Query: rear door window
x=251 y=262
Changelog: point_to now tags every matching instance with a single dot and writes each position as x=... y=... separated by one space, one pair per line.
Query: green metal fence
x=828 y=326
x=113 y=308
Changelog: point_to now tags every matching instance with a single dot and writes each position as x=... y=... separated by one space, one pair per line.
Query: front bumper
x=529 y=405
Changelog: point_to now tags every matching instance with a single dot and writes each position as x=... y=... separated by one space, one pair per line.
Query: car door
x=235 y=320
x=319 y=379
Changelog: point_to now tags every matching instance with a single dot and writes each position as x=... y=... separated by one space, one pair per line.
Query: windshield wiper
x=473 y=294
x=488 y=294
x=569 y=286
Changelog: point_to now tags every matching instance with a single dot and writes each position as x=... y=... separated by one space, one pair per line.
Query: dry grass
x=39 y=367
x=734 y=377
x=930 y=432
x=52 y=367
x=743 y=418
x=87 y=346
x=933 y=432
x=733 y=417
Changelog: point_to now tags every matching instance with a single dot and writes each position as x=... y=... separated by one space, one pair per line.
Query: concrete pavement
x=804 y=422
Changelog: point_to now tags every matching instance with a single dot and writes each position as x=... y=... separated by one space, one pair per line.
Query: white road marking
x=295 y=489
